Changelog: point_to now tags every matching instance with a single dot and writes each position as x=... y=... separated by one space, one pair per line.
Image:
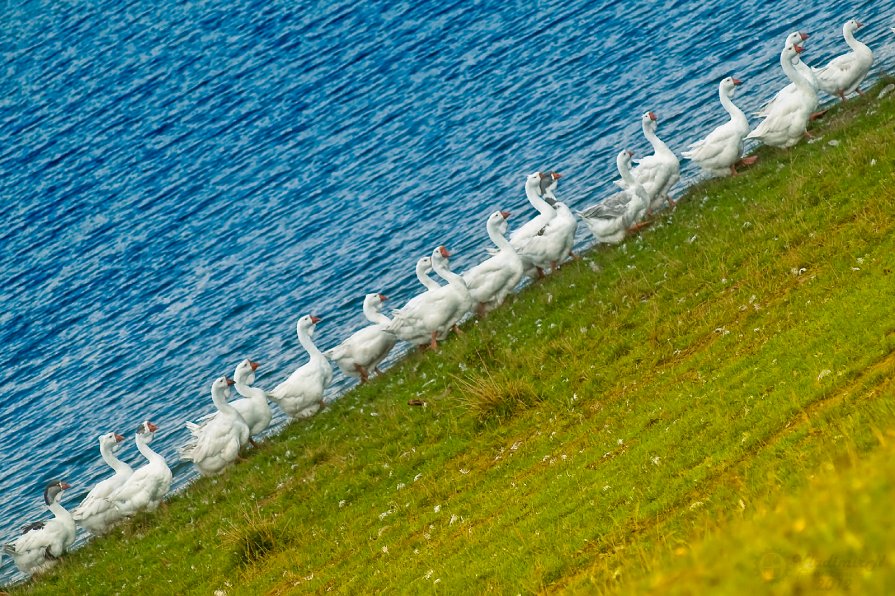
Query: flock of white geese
x=537 y=247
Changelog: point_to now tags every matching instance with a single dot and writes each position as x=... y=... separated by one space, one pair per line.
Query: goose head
x=547 y=184
x=110 y=441
x=424 y=265
x=649 y=121
x=245 y=372
x=729 y=85
x=375 y=300
x=623 y=160
x=221 y=387
x=146 y=431
x=440 y=257
x=796 y=37
x=53 y=491
x=498 y=221
x=852 y=26
x=307 y=324
x=534 y=181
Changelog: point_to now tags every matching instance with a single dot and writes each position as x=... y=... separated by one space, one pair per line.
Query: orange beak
x=444 y=252
x=118 y=438
x=152 y=428
x=505 y=214
x=736 y=81
x=254 y=365
x=382 y=297
x=652 y=116
x=315 y=320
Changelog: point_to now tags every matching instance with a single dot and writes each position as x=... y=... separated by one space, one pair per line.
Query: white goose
x=720 y=151
x=788 y=120
x=561 y=229
x=95 y=513
x=423 y=267
x=216 y=443
x=844 y=74
x=360 y=354
x=535 y=185
x=658 y=172
x=611 y=219
x=548 y=245
x=791 y=90
x=254 y=408
x=429 y=316
x=149 y=484
x=490 y=281
x=301 y=395
x=42 y=543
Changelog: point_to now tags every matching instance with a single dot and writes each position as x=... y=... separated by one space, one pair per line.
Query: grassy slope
x=709 y=406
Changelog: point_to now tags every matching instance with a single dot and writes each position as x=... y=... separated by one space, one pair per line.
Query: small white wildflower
x=606 y=487
x=417 y=477
x=655 y=459
x=823 y=373
x=453 y=519
x=437 y=508
x=429 y=573
x=400 y=486
x=341 y=503
x=464 y=471
x=385 y=549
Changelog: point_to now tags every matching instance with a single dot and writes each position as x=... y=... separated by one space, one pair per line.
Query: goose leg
x=362 y=372
x=434 y=343
x=457 y=330
x=252 y=441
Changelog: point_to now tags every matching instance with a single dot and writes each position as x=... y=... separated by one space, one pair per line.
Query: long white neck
x=449 y=276
x=147 y=451
x=62 y=514
x=543 y=207
x=736 y=114
x=427 y=281
x=221 y=403
x=375 y=316
x=308 y=344
x=109 y=457
x=244 y=388
x=793 y=74
x=649 y=132
x=854 y=44
x=499 y=239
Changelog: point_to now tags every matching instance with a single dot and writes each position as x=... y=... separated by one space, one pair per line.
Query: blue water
x=180 y=181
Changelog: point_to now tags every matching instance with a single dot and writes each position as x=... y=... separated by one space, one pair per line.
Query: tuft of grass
x=253 y=537
x=496 y=397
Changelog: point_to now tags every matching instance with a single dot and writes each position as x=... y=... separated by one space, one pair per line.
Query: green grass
x=708 y=407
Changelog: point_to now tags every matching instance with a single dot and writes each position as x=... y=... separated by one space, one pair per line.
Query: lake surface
x=180 y=181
